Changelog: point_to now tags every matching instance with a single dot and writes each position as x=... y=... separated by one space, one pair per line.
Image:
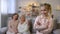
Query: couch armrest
x=57 y=31
x=3 y=30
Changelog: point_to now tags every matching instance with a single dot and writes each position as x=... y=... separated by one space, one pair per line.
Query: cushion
x=57 y=31
x=3 y=30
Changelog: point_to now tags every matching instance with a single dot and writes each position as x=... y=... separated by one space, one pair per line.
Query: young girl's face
x=44 y=10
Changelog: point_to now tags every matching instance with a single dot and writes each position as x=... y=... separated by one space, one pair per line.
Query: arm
x=35 y=23
x=15 y=27
x=50 y=27
x=42 y=27
x=9 y=26
x=39 y=26
x=16 y=30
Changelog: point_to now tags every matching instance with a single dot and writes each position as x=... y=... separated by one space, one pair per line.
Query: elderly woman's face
x=22 y=18
x=44 y=10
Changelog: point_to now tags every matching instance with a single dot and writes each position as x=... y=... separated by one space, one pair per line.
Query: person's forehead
x=15 y=15
x=22 y=16
x=43 y=7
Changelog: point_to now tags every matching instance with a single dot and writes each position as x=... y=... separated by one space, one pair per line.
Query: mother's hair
x=14 y=15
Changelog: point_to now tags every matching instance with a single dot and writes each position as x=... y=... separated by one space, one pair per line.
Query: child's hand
x=15 y=31
x=38 y=23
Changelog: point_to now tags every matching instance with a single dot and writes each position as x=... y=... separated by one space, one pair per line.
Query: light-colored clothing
x=43 y=25
x=12 y=27
x=8 y=32
x=23 y=28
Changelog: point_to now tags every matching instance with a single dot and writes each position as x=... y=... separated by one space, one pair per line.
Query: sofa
x=56 y=29
x=3 y=30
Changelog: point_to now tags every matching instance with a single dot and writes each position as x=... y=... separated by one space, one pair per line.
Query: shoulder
x=51 y=18
x=38 y=17
x=9 y=21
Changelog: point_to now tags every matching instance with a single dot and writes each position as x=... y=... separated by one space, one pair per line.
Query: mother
x=12 y=24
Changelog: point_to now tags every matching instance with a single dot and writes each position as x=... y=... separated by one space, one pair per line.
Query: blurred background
x=8 y=7
x=11 y=6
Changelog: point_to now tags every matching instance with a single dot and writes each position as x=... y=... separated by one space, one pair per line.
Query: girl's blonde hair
x=48 y=6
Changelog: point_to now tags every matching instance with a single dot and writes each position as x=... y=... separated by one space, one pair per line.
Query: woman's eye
x=43 y=10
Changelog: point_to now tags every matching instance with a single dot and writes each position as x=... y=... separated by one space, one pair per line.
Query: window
x=7 y=6
x=11 y=6
x=3 y=6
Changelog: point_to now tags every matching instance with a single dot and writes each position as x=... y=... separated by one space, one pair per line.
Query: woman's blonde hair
x=22 y=15
x=48 y=6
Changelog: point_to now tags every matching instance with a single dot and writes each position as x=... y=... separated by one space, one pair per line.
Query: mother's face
x=15 y=17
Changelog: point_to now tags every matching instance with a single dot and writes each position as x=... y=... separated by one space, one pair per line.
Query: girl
x=23 y=27
x=12 y=24
x=44 y=23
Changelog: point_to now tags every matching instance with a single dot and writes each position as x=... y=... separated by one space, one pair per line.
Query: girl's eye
x=43 y=10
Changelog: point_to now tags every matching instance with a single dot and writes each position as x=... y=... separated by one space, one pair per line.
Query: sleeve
x=50 y=27
x=25 y=28
x=35 y=23
x=39 y=27
x=9 y=26
x=16 y=30
x=28 y=24
x=42 y=27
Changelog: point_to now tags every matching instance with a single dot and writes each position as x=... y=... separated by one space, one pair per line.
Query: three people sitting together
x=43 y=23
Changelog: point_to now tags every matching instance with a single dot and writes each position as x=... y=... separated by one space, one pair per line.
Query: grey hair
x=21 y=15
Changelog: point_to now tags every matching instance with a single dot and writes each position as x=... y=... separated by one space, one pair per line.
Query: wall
x=53 y=3
x=22 y=3
x=4 y=18
x=7 y=7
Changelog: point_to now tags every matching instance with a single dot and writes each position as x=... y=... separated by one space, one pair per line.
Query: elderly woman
x=23 y=26
x=44 y=23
